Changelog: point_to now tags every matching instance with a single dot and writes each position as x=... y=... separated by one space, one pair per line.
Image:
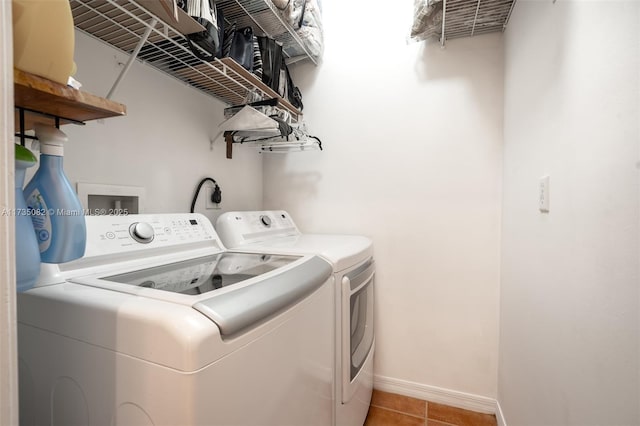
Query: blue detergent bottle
x=27 y=252
x=56 y=212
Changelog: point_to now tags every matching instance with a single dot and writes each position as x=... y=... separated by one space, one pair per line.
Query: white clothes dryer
x=159 y=325
x=353 y=266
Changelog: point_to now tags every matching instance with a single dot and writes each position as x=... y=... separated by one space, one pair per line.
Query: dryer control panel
x=117 y=234
x=240 y=228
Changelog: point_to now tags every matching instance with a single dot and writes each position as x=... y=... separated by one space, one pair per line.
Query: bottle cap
x=51 y=140
x=24 y=157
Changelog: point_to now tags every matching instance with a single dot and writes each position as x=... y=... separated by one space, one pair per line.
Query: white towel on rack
x=247 y=119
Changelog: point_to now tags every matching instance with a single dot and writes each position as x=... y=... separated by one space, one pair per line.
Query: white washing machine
x=159 y=325
x=353 y=266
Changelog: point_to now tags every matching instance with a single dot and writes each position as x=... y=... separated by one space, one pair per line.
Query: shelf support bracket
x=133 y=56
x=444 y=17
x=22 y=137
x=475 y=19
x=228 y=138
x=57 y=120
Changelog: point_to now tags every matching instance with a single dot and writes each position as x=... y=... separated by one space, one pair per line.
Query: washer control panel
x=239 y=228
x=115 y=234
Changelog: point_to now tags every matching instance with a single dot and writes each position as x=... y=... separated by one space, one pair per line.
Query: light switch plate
x=543 y=202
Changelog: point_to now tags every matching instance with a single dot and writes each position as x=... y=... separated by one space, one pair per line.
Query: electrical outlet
x=208 y=204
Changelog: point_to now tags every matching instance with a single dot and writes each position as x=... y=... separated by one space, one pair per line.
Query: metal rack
x=466 y=18
x=299 y=140
x=265 y=19
x=132 y=28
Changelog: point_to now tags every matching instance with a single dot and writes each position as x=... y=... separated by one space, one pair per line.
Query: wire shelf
x=123 y=24
x=466 y=18
x=265 y=19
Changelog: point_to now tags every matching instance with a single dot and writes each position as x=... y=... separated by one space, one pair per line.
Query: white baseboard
x=450 y=397
x=500 y=415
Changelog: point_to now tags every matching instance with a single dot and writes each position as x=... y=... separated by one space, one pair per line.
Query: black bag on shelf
x=227 y=39
x=272 y=61
x=292 y=93
x=206 y=45
x=241 y=49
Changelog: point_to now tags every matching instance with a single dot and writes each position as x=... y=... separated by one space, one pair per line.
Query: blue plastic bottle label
x=40 y=216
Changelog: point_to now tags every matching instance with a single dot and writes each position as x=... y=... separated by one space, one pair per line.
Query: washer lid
x=204 y=274
x=246 y=306
x=240 y=308
x=234 y=290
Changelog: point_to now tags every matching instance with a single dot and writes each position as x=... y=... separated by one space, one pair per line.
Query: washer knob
x=142 y=232
x=266 y=220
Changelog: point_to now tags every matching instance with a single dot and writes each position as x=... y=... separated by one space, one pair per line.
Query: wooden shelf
x=39 y=94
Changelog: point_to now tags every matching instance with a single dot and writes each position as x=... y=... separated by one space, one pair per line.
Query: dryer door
x=357 y=325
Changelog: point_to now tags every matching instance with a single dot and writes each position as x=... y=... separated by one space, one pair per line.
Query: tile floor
x=388 y=409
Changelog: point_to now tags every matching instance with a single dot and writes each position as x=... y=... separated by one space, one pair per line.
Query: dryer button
x=266 y=220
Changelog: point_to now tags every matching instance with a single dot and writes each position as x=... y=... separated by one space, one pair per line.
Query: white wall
x=569 y=297
x=413 y=140
x=163 y=142
x=8 y=334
